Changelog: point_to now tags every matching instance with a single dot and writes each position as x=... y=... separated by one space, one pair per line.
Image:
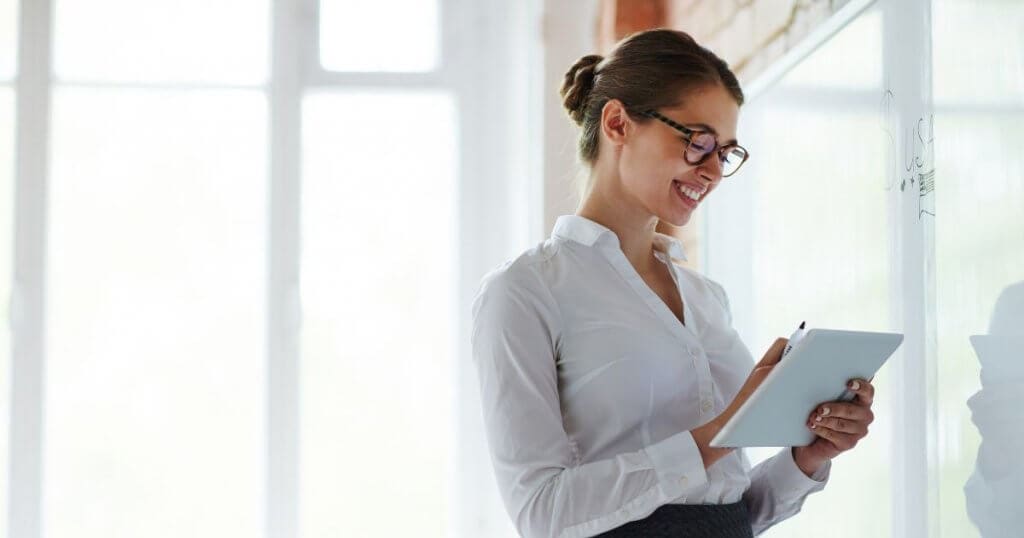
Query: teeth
x=693 y=194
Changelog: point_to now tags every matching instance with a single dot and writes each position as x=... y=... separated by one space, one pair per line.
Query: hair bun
x=579 y=80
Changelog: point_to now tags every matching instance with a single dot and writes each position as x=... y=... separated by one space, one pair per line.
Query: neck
x=635 y=229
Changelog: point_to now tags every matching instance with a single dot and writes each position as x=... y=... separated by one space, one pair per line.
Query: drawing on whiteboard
x=917 y=155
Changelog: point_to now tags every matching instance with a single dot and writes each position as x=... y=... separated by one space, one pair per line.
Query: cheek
x=651 y=165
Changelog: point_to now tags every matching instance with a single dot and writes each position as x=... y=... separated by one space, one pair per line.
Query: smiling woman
x=605 y=368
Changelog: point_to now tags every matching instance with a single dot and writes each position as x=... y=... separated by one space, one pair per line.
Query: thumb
x=774 y=353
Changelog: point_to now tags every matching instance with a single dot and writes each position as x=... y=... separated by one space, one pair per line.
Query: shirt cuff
x=678 y=463
x=788 y=479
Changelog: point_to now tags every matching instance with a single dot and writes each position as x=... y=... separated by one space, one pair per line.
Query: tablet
x=815 y=371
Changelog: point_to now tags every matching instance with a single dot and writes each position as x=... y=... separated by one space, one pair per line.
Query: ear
x=616 y=125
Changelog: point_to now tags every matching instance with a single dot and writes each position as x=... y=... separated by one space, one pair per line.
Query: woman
x=605 y=369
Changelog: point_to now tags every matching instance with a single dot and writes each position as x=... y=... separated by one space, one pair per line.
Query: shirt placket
x=705 y=386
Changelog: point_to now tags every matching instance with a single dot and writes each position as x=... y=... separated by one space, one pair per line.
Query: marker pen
x=797 y=335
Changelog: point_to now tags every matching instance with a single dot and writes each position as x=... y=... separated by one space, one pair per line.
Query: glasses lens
x=732 y=160
x=701 y=145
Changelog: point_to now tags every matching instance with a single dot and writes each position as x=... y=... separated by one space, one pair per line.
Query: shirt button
x=705 y=406
x=683 y=480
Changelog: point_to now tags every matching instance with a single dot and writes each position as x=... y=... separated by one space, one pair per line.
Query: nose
x=711 y=169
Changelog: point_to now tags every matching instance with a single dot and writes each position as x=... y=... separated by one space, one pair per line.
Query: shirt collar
x=585 y=231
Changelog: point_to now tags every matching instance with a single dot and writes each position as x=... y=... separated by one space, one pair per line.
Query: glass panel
x=184 y=41
x=991 y=55
x=6 y=277
x=8 y=38
x=155 y=382
x=859 y=45
x=979 y=228
x=379 y=314
x=803 y=235
x=399 y=35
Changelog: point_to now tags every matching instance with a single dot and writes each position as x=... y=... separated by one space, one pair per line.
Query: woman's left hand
x=839 y=427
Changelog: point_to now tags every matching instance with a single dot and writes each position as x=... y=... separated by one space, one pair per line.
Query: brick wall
x=748 y=34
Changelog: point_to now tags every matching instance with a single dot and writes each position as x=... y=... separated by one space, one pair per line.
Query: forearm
x=702 y=436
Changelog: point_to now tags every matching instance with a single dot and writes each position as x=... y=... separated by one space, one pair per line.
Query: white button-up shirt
x=590 y=387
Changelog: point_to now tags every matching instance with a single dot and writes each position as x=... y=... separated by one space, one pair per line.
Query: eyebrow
x=709 y=129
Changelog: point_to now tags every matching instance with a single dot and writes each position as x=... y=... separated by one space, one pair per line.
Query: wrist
x=702 y=436
x=807 y=463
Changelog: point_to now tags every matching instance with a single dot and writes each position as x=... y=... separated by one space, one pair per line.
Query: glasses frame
x=688 y=134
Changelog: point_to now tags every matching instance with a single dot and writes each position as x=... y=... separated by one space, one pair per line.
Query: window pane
x=812 y=216
x=8 y=38
x=847 y=61
x=983 y=38
x=222 y=41
x=6 y=276
x=397 y=35
x=155 y=388
x=379 y=314
x=979 y=236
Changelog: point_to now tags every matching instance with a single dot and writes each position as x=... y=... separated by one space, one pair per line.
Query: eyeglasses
x=701 y=144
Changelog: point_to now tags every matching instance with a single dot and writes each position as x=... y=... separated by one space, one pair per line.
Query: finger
x=842 y=441
x=774 y=353
x=864 y=391
x=851 y=412
x=841 y=425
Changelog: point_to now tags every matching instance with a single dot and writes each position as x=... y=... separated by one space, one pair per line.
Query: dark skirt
x=690 y=521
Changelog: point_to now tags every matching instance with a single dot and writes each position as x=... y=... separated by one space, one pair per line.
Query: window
x=8 y=38
x=979 y=250
x=379 y=259
x=155 y=375
x=819 y=184
x=189 y=41
x=396 y=36
x=156 y=282
x=203 y=374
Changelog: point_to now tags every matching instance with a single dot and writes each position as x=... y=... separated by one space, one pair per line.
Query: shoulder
x=522 y=276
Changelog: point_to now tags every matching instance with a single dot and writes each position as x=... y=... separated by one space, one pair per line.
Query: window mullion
x=27 y=302
x=289 y=61
x=907 y=101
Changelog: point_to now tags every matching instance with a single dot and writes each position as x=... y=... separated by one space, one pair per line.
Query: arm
x=778 y=489
x=546 y=490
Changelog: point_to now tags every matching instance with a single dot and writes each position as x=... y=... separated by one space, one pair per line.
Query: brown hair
x=646 y=70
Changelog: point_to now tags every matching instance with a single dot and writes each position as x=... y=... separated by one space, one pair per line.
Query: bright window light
x=8 y=38
x=185 y=41
x=155 y=405
x=398 y=35
x=379 y=268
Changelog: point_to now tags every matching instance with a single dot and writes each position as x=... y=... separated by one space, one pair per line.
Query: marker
x=797 y=335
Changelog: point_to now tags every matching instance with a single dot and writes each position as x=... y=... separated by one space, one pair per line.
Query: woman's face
x=652 y=166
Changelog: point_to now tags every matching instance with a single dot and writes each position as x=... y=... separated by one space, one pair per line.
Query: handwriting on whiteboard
x=915 y=160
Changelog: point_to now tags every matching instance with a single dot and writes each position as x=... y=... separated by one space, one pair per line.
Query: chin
x=681 y=222
x=677 y=220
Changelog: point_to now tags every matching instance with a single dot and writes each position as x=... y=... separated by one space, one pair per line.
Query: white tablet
x=815 y=371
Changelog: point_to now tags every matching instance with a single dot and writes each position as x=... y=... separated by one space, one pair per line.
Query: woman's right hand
x=757 y=375
x=704 y=434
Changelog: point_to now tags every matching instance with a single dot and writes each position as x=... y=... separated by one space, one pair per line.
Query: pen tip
x=802 y=323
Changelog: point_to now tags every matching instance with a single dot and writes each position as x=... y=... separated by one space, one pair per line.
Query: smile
x=689 y=195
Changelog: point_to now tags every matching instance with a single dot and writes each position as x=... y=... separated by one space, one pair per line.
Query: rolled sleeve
x=778 y=489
